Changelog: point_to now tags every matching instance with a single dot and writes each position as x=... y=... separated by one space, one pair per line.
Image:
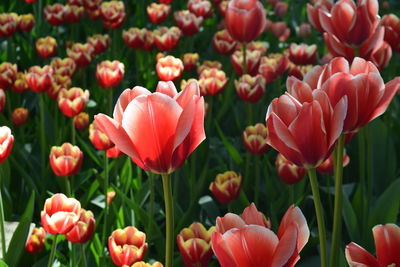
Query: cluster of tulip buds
x=12 y=22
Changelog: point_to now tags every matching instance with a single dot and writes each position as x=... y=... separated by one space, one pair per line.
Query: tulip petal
x=222 y=251
x=191 y=89
x=387 y=242
x=390 y=90
x=356 y=256
x=286 y=253
x=252 y=216
x=167 y=88
x=229 y=221
x=125 y=98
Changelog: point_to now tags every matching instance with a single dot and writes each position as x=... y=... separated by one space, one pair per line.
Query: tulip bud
x=222 y=7
x=20 y=116
x=6 y=143
x=82 y=54
x=144 y=264
x=55 y=14
x=81 y=121
x=109 y=73
x=194 y=243
x=60 y=214
x=226 y=186
x=2 y=100
x=8 y=74
x=208 y=64
x=212 y=81
x=252 y=61
x=169 y=68
x=127 y=246
x=188 y=22
x=255 y=139
x=72 y=101
x=20 y=84
x=288 y=171
x=110 y=197
x=83 y=231
x=304 y=30
x=65 y=160
x=167 y=39
x=326 y=167
x=280 y=9
x=99 y=42
x=26 y=22
x=112 y=14
x=302 y=54
x=190 y=61
x=381 y=56
x=59 y=82
x=158 y=13
x=250 y=89
x=73 y=13
x=280 y=30
x=201 y=8
x=36 y=240
x=8 y=24
x=98 y=138
x=223 y=43
x=40 y=78
x=138 y=38
x=273 y=66
x=46 y=47
x=63 y=67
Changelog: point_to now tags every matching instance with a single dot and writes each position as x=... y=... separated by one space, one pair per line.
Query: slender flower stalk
x=53 y=251
x=2 y=232
x=169 y=213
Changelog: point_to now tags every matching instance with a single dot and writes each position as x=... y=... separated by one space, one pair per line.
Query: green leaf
x=229 y=147
x=350 y=219
x=3 y=264
x=18 y=240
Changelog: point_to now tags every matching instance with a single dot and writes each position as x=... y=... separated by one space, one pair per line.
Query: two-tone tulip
x=65 y=160
x=327 y=165
x=158 y=13
x=54 y=14
x=212 y=81
x=302 y=54
x=72 y=101
x=20 y=84
x=313 y=13
x=100 y=42
x=201 y=8
x=169 y=68
x=273 y=66
x=35 y=242
x=136 y=38
x=82 y=54
x=209 y=64
x=8 y=24
x=112 y=14
x=8 y=74
x=289 y=172
x=188 y=22
x=99 y=140
x=392 y=31
x=26 y=22
x=250 y=88
x=255 y=139
x=223 y=43
x=81 y=121
x=167 y=39
x=73 y=13
x=63 y=67
x=252 y=61
x=226 y=186
x=109 y=73
x=83 y=231
x=46 y=47
x=190 y=61
x=40 y=79
x=6 y=143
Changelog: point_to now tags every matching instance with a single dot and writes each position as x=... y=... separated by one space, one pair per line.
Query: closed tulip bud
x=167 y=39
x=289 y=172
x=208 y=64
x=8 y=24
x=169 y=68
x=20 y=84
x=302 y=54
x=327 y=166
x=144 y=264
x=273 y=66
x=255 y=139
x=110 y=196
x=26 y=22
x=72 y=101
x=250 y=88
x=63 y=67
x=223 y=43
x=100 y=42
x=158 y=13
x=226 y=186
x=194 y=243
x=188 y=22
x=2 y=100
x=82 y=54
x=252 y=61
x=201 y=8
x=40 y=79
x=60 y=214
x=20 y=116
x=46 y=47
x=313 y=13
x=73 y=13
x=392 y=31
x=99 y=140
x=382 y=55
x=280 y=30
x=212 y=81
x=35 y=242
x=55 y=14
x=109 y=73
x=138 y=38
x=280 y=9
x=81 y=121
x=6 y=143
x=65 y=160
x=304 y=30
x=190 y=61
x=8 y=74
x=112 y=14
x=245 y=20
x=127 y=246
x=83 y=231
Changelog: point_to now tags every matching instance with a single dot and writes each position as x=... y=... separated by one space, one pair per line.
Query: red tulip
x=63 y=67
x=167 y=2
x=2 y=100
x=327 y=165
x=188 y=22
x=20 y=116
x=246 y=241
x=8 y=24
x=280 y=9
x=158 y=13
x=169 y=68
x=138 y=38
x=194 y=243
x=81 y=121
x=65 y=160
x=288 y=171
x=190 y=61
x=112 y=14
x=99 y=42
x=99 y=140
x=208 y=64
x=280 y=30
x=110 y=196
x=255 y=139
x=382 y=55
x=167 y=39
x=73 y=13
x=212 y=81
x=144 y=264
x=82 y=54
x=8 y=74
x=304 y=30
x=40 y=78
x=351 y=23
x=113 y=152
x=313 y=12
x=165 y=114
x=201 y=8
x=245 y=19
x=91 y=4
x=127 y=246
x=252 y=61
x=109 y=73
x=83 y=231
x=250 y=88
x=305 y=132
x=59 y=82
x=302 y=54
x=392 y=30
x=223 y=42
x=226 y=186
x=72 y=101
x=35 y=242
x=26 y=22
x=60 y=214
x=46 y=47
x=273 y=66
x=298 y=71
x=223 y=7
x=55 y=14
x=387 y=243
x=6 y=143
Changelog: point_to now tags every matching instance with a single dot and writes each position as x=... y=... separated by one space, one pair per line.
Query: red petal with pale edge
x=356 y=256
x=387 y=242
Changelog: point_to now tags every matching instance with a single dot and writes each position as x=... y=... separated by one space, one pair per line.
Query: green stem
x=257 y=179
x=320 y=216
x=68 y=185
x=83 y=255
x=169 y=213
x=73 y=132
x=105 y=199
x=244 y=48
x=361 y=171
x=110 y=101
x=152 y=197
x=2 y=232
x=249 y=113
x=368 y=142
x=42 y=133
x=337 y=214
x=53 y=251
